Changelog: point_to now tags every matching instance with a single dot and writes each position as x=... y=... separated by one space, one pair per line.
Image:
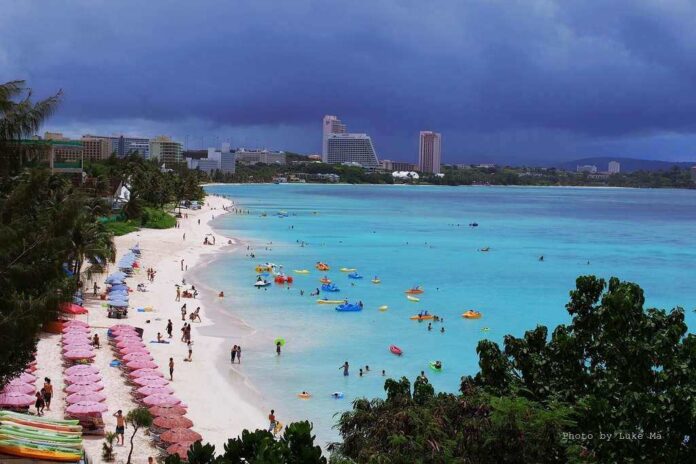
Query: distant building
x=339 y=146
x=331 y=125
x=405 y=175
x=314 y=157
x=429 y=152
x=165 y=150
x=255 y=156
x=95 y=148
x=591 y=168
x=228 y=162
x=614 y=167
x=55 y=136
x=122 y=145
x=389 y=165
x=216 y=160
x=693 y=174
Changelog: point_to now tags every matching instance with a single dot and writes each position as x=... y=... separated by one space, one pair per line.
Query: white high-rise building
x=429 y=152
x=614 y=167
x=339 y=146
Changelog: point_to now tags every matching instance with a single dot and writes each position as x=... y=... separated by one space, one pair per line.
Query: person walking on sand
x=183 y=312
x=47 y=391
x=40 y=403
x=233 y=353
x=171 y=368
x=189 y=344
x=178 y=294
x=182 y=264
x=120 y=427
x=345 y=368
x=170 y=327
x=96 y=288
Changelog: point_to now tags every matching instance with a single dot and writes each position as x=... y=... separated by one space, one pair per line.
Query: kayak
x=412 y=298
x=348 y=307
x=47 y=453
x=262 y=283
x=330 y=301
x=354 y=275
x=414 y=291
x=301 y=271
x=348 y=269
x=434 y=367
x=322 y=267
x=396 y=350
x=421 y=318
x=330 y=288
x=471 y=314
x=383 y=308
x=376 y=281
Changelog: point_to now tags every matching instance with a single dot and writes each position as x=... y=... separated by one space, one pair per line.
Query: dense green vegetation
x=498 y=175
x=617 y=384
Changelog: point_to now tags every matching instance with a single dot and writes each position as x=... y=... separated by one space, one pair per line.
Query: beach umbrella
x=137 y=355
x=116 y=277
x=86 y=408
x=75 y=336
x=75 y=343
x=152 y=381
x=75 y=323
x=85 y=396
x=141 y=364
x=16 y=399
x=161 y=400
x=148 y=390
x=123 y=331
x=79 y=353
x=133 y=349
x=16 y=382
x=181 y=449
x=26 y=378
x=84 y=387
x=179 y=435
x=173 y=422
x=122 y=337
x=81 y=368
x=72 y=308
x=83 y=377
x=130 y=342
x=75 y=329
x=159 y=411
x=145 y=373
x=25 y=388
x=121 y=326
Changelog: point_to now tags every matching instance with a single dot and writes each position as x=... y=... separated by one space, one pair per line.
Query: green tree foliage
x=137 y=418
x=19 y=118
x=295 y=446
x=628 y=373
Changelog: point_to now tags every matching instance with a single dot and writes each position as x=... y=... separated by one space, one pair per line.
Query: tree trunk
x=130 y=453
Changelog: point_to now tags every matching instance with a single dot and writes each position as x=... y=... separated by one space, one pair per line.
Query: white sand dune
x=219 y=402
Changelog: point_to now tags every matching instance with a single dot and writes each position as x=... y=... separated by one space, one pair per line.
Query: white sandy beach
x=219 y=403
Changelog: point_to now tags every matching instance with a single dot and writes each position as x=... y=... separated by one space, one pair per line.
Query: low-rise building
x=591 y=168
x=256 y=156
x=95 y=149
x=165 y=150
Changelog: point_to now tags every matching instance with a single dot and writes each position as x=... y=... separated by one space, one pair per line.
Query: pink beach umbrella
x=85 y=408
x=132 y=349
x=124 y=331
x=74 y=337
x=19 y=388
x=79 y=353
x=85 y=396
x=130 y=343
x=75 y=329
x=74 y=322
x=137 y=355
x=161 y=400
x=148 y=390
x=141 y=364
x=77 y=345
x=145 y=373
x=26 y=378
x=124 y=335
x=152 y=381
x=121 y=326
x=172 y=422
x=180 y=435
x=181 y=449
x=16 y=400
x=83 y=377
x=84 y=387
x=81 y=368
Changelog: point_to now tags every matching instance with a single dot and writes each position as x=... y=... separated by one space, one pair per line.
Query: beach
x=220 y=402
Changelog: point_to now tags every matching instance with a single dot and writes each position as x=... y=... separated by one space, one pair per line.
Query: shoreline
x=219 y=406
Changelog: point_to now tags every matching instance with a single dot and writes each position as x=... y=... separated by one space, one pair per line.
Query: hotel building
x=429 y=154
x=339 y=146
x=165 y=150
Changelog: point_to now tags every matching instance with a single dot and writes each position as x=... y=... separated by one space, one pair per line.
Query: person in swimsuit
x=278 y=347
x=40 y=403
x=120 y=426
x=345 y=368
x=271 y=421
x=171 y=368
x=239 y=354
x=233 y=353
x=47 y=392
x=170 y=327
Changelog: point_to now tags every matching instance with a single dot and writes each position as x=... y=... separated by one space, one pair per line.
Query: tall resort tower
x=429 y=155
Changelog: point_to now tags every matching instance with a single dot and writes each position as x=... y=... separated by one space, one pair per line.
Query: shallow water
x=420 y=236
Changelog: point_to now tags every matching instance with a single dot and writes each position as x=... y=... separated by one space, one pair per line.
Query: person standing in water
x=345 y=368
x=239 y=354
x=233 y=353
x=278 y=347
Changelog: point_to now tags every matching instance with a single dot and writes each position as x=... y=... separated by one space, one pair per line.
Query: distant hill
x=627 y=164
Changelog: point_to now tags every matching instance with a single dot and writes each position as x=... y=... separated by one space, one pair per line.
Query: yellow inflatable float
x=471 y=314
x=383 y=308
x=301 y=271
x=331 y=301
x=412 y=298
x=348 y=269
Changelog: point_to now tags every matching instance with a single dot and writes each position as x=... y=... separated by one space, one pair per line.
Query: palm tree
x=20 y=118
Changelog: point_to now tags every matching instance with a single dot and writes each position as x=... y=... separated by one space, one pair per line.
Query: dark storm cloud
x=532 y=79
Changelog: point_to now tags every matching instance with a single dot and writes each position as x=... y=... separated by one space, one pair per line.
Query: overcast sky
x=515 y=81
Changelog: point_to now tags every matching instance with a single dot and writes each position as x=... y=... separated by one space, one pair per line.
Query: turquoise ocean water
x=420 y=236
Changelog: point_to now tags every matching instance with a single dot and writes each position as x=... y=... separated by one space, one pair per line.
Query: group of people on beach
x=151 y=274
x=236 y=353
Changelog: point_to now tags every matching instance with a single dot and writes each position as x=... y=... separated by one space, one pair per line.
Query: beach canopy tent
x=72 y=308
x=115 y=278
